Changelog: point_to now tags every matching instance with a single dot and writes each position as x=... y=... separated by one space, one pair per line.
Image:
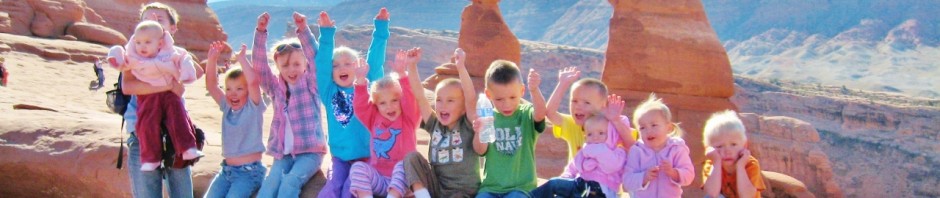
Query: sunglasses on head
x=282 y=47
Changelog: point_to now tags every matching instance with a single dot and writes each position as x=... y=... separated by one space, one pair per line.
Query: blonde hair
x=651 y=104
x=447 y=83
x=596 y=117
x=723 y=123
x=389 y=81
x=591 y=82
x=148 y=25
x=174 y=17
x=345 y=51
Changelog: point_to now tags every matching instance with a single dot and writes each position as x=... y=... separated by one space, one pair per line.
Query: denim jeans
x=289 y=174
x=510 y=194
x=146 y=184
x=237 y=181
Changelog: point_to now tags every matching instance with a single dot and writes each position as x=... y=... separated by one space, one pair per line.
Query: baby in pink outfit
x=152 y=58
x=597 y=167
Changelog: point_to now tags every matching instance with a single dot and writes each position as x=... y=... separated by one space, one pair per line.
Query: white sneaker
x=149 y=166
x=192 y=153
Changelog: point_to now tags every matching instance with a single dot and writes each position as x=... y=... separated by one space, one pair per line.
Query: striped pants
x=365 y=178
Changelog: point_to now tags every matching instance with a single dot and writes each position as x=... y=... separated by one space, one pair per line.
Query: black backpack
x=117 y=102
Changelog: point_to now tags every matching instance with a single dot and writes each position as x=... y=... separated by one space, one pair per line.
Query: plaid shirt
x=303 y=105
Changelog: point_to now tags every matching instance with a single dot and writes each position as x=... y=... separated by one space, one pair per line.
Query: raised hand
x=263 y=20
x=383 y=14
x=460 y=57
x=215 y=48
x=401 y=62
x=568 y=75
x=362 y=69
x=614 y=108
x=300 y=20
x=241 y=51
x=414 y=56
x=534 y=79
x=324 y=20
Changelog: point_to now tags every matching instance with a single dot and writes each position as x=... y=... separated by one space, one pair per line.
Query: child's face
x=344 y=70
x=162 y=17
x=236 y=92
x=388 y=102
x=595 y=132
x=292 y=66
x=654 y=128
x=729 y=146
x=585 y=101
x=148 y=42
x=505 y=97
x=449 y=104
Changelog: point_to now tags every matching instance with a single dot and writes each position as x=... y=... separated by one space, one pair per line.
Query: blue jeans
x=568 y=187
x=145 y=184
x=510 y=194
x=237 y=181
x=289 y=174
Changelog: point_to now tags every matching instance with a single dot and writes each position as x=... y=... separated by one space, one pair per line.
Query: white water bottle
x=485 y=111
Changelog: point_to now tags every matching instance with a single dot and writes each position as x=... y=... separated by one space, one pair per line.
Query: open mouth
x=344 y=76
x=391 y=114
x=234 y=102
x=443 y=115
x=579 y=116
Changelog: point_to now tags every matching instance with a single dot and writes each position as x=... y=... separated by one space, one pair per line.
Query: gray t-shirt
x=241 y=129
x=452 y=157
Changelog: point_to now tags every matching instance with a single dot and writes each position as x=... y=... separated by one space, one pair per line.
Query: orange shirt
x=729 y=179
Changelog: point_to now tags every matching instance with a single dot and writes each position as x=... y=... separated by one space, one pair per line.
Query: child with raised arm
x=151 y=57
x=455 y=147
x=588 y=96
x=389 y=110
x=297 y=140
x=658 y=165
x=730 y=171
x=509 y=170
x=242 y=119
x=349 y=138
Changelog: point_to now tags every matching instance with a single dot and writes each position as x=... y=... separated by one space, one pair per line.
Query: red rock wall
x=486 y=37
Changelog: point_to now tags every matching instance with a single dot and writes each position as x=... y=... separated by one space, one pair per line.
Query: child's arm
x=571 y=170
x=478 y=145
x=212 y=81
x=682 y=172
x=254 y=90
x=566 y=77
x=130 y=85
x=410 y=87
x=614 y=110
x=410 y=60
x=612 y=158
x=259 y=56
x=187 y=68
x=376 y=55
x=634 y=177
x=712 y=184
x=538 y=101
x=469 y=93
x=363 y=107
x=324 y=59
x=308 y=44
x=745 y=187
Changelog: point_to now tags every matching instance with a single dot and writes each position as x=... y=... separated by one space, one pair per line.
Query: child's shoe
x=149 y=166
x=192 y=153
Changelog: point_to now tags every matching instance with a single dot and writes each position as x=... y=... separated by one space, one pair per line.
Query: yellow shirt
x=573 y=133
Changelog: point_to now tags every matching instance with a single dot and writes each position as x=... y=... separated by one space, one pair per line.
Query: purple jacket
x=642 y=158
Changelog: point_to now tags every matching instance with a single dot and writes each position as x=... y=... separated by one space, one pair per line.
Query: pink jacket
x=171 y=63
x=642 y=158
x=587 y=163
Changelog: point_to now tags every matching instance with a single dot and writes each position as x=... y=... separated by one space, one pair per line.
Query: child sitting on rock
x=597 y=167
x=730 y=171
x=151 y=58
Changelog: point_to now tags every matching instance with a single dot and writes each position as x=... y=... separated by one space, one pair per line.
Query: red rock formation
x=95 y=33
x=486 y=37
x=668 y=47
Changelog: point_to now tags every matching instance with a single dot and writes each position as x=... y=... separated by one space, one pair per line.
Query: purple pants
x=338 y=183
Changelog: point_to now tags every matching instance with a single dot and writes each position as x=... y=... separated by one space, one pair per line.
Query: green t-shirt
x=510 y=161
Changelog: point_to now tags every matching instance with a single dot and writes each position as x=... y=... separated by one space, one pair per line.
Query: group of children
x=372 y=120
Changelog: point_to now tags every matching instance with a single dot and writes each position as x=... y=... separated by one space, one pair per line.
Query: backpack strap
x=120 y=157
